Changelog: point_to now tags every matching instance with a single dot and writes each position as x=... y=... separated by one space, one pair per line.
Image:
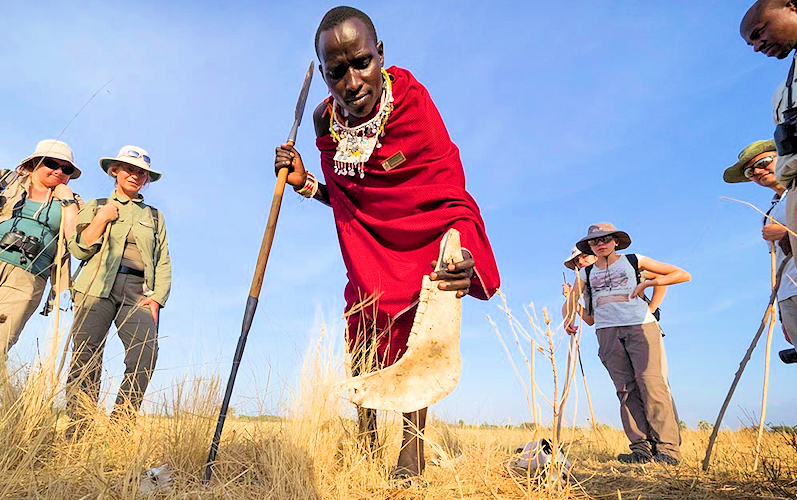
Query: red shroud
x=390 y=223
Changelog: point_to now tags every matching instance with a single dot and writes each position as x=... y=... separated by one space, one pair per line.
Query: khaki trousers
x=138 y=333
x=20 y=294
x=635 y=358
x=788 y=316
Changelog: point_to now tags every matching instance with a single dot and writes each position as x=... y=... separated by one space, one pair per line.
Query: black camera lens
x=788 y=356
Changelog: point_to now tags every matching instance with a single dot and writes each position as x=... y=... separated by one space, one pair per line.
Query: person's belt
x=130 y=270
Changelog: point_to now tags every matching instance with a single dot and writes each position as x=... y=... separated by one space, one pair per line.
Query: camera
x=788 y=356
x=786 y=133
x=17 y=241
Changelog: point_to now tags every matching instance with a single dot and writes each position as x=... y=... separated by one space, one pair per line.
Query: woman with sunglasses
x=630 y=341
x=126 y=280
x=33 y=200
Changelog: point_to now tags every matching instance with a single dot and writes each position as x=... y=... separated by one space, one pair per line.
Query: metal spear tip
x=308 y=78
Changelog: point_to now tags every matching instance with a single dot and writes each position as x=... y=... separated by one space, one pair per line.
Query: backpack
x=6 y=180
x=634 y=261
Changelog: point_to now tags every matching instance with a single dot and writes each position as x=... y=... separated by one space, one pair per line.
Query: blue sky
x=565 y=114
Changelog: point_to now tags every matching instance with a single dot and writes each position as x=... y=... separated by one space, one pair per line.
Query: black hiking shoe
x=634 y=458
x=666 y=459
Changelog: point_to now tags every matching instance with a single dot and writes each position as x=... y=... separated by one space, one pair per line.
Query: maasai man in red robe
x=395 y=183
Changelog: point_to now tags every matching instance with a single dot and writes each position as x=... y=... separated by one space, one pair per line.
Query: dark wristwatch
x=66 y=203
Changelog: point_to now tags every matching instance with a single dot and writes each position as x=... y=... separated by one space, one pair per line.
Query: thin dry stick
x=745 y=359
x=589 y=398
x=565 y=388
x=59 y=257
x=766 y=215
x=595 y=429
x=106 y=236
x=533 y=386
x=766 y=363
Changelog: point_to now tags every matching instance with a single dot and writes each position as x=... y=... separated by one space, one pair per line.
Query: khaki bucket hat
x=603 y=229
x=735 y=173
x=51 y=148
x=570 y=263
x=132 y=155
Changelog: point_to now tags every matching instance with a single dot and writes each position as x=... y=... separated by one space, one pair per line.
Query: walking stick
x=744 y=361
x=257 y=280
x=766 y=364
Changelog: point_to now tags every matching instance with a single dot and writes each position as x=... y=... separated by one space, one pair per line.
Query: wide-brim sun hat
x=570 y=263
x=603 y=229
x=50 y=148
x=735 y=173
x=132 y=155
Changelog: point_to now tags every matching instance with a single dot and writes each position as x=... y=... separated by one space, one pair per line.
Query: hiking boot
x=666 y=459
x=634 y=458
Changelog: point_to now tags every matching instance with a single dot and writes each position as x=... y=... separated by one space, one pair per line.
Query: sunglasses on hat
x=132 y=153
x=762 y=163
x=66 y=168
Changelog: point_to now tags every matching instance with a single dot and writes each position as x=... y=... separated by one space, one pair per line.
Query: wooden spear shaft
x=766 y=362
x=257 y=280
x=743 y=364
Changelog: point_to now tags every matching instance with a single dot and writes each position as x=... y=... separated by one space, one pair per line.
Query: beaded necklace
x=356 y=144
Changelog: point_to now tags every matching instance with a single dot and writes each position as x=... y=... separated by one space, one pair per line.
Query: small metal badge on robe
x=394 y=161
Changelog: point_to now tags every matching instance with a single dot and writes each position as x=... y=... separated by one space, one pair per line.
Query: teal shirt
x=43 y=225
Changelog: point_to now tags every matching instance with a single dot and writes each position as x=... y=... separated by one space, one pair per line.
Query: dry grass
x=312 y=454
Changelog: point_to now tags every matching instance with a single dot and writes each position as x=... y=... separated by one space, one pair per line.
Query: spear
x=257 y=280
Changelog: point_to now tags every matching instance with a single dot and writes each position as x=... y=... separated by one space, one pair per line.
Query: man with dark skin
x=396 y=198
x=770 y=27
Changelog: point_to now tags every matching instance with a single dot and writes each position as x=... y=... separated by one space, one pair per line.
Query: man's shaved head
x=770 y=26
x=338 y=15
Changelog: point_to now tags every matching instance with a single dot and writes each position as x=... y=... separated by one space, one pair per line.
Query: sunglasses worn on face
x=135 y=154
x=66 y=168
x=763 y=163
x=603 y=239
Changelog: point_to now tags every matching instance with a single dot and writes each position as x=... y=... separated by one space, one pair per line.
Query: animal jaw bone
x=430 y=368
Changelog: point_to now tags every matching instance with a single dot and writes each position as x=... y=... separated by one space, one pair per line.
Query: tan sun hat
x=132 y=155
x=50 y=148
x=735 y=173
x=603 y=229
x=570 y=263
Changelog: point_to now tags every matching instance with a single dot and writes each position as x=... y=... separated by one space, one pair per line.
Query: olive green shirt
x=135 y=217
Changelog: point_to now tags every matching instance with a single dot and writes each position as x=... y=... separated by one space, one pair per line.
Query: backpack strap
x=590 y=309
x=634 y=261
x=7 y=179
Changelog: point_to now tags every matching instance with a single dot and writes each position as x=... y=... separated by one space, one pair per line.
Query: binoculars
x=17 y=241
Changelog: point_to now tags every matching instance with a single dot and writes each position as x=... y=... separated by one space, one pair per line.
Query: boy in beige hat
x=630 y=340
x=37 y=214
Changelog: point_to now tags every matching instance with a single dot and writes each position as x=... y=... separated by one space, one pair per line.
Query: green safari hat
x=735 y=173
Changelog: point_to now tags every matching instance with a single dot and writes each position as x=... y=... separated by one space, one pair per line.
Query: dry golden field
x=315 y=455
x=312 y=452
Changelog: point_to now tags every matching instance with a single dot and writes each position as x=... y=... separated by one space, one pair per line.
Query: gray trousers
x=635 y=358
x=788 y=315
x=138 y=333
